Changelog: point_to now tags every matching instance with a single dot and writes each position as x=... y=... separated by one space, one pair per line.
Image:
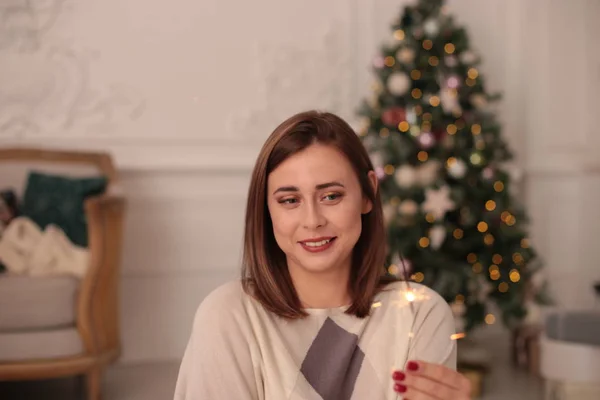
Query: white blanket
x=26 y=249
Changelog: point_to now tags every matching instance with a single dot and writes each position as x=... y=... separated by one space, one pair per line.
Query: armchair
x=88 y=339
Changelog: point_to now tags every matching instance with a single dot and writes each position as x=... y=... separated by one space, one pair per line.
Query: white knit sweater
x=238 y=350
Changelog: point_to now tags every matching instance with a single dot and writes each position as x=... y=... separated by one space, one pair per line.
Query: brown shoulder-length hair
x=265 y=275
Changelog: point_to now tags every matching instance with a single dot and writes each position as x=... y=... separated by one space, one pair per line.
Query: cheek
x=283 y=225
x=348 y=219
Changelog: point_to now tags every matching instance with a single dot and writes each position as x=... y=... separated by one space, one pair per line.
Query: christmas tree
x=453 y=222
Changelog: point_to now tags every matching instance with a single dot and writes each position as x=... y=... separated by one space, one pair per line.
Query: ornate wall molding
x=47 y=86
x=292 y=77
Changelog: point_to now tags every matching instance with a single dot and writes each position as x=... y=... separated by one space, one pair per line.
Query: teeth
x=317 y=244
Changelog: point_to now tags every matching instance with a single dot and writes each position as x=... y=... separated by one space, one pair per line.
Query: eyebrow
x=320 y=186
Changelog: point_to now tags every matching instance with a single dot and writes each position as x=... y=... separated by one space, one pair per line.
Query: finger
x=439 y=373
x=416 y=384
x=412 y=394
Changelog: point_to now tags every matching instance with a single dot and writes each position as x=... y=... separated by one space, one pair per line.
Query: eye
x=288 y=201
x=333 y=196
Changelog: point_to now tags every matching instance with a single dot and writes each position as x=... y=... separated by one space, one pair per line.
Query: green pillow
x=58 y=200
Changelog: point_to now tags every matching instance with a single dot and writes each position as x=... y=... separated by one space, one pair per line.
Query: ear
x=373 y=181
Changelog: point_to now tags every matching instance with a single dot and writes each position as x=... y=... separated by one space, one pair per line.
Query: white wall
x=183 y=94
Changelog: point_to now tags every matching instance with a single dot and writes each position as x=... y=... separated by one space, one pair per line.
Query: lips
x=315 y=245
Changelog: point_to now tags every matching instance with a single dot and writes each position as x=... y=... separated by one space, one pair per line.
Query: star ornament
x=438 y=202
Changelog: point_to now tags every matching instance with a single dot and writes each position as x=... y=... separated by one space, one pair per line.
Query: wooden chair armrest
x=98 y=302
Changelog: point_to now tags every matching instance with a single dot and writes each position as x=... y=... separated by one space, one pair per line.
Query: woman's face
x=315 y=202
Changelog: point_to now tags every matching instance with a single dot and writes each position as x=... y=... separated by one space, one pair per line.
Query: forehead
x=315 y=164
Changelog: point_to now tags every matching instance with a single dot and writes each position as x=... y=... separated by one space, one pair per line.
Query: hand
x=427 y=381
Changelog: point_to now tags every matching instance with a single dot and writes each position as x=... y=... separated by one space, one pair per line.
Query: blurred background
x=171 y=102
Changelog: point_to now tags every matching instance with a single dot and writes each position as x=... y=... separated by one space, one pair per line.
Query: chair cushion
x=40 y=345
x=29 y=303
x=59 y=200
x=574 y=326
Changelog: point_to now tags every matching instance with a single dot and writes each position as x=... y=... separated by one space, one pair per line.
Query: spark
x=408 y=296
x=377 y=304
x=457 y=336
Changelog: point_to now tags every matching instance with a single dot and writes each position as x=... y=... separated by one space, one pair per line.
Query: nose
x=313 y=216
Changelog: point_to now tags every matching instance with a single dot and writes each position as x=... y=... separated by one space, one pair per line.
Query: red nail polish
x=412 y=366
x=399 y=376
x=399 y=388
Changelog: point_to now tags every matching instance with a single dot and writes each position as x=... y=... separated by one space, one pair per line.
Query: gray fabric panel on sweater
x=32 y=303
x=40 y=345
x=333 y=362
x=574 y=326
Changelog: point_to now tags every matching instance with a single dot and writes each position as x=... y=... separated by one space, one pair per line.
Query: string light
x=418 y=277
x=418 y=109
x=434 y=101
x=470 y=82
x=427 y=44
x=471 y=258
x=450 y=162
x=497 y=259
x=415 y=74
x=384 y=132
x=476 y=158
x=403 y=126
x=480 y=145
x=490 y=205
x=472 y=73
x=449 y=48
x=525 y=243
x=514 y=276
x=493 y=269
x=476 y=129
x=389 y=169
x=518 y=258
x=495 y=275
x=415 y=130
x=488 y=239
x=458 y=233
x=393 y=269
x=511 y=220
x=503 y=287
x=389 y=61
x=416 y=93
x=504 y=215
x=482 y=226
x=459 y=299
x=422 y=156
x=451 y=129
x=429 y=217
x=490 y=319
x=399 y=34
x=433 y=61
x=424 y=242
x=477 y=268
x=498 y=186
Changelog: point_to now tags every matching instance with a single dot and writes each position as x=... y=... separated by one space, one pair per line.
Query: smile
x=317 y=244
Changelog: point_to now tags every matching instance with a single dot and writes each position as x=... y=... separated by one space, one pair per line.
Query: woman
x=311 y=317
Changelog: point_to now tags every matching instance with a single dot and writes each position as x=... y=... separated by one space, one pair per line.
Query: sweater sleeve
x=217 y=363
x=432 y=332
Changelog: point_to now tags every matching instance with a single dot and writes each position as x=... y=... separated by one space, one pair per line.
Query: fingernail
x=412 y=366
x=399 y=388
x=399 y=376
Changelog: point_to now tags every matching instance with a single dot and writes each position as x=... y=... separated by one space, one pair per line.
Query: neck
x=322 y=290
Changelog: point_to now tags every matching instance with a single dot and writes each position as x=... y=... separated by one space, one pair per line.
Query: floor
x=157 y=382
